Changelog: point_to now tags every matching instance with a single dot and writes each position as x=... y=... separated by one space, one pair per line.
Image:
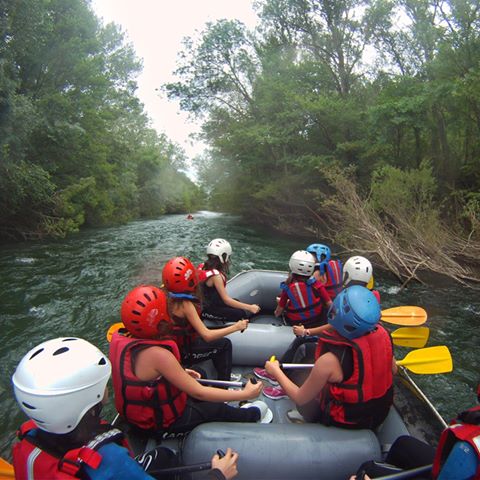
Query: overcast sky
x=156 y=28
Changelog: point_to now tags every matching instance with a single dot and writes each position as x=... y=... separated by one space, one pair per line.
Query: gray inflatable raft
x=282 y=450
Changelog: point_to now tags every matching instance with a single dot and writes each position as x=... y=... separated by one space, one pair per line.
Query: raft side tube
x=284 y=451
x=259 y=342
x=257 y=286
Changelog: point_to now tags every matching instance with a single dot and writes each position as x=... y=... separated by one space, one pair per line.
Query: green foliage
x=76 y=148
x=407 y=196
x=305 y=97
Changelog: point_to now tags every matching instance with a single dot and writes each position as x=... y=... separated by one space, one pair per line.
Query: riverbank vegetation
x=356 y=123
x=76 y=147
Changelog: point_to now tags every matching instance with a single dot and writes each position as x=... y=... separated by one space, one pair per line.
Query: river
x=74 y=287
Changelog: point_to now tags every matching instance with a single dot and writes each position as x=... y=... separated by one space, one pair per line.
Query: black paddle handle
x=197 y=467
x=407 y=473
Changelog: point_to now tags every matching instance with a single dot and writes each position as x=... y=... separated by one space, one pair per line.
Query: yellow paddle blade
x=371 y=283
x=114 y=328
x=6 y=470
x=428 y=360
x=406 y=316
x=413 y=337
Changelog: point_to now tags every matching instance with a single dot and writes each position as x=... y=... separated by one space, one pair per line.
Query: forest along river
x=74 y=287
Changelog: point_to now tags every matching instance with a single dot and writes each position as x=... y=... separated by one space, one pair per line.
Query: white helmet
x=220 y=248
x=58 y=381
x=357 y=269
x=302 y=263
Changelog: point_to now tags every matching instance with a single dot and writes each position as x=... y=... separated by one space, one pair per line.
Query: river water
x=74 y=287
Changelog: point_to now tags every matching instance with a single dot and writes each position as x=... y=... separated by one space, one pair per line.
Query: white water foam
x=25 y=260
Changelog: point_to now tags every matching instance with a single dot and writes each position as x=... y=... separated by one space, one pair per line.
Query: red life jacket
x=334 y=272
x=32 y=461
x=183 y=336
x=364 y=399
x=465 y=428
x=183 y=333
x=210 y=294
x=305 y=303
x=152 y=405
x=204 y=275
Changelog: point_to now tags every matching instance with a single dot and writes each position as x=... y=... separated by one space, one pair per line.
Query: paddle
x=406 y=316
x=403 y=316
x=428 y=360
x=414 y=472
x=221 y=383
x=413 y=337
x=197 y=467
x=423 y=361
x=6 y=470
x=113 y=329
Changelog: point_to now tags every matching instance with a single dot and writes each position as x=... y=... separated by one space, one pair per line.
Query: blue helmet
x=355 y=311
x=318 y=249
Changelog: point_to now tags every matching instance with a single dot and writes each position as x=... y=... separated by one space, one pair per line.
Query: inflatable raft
x=284 y=450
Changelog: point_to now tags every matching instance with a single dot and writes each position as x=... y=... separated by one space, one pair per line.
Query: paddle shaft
x=198 y=467
x=407 y=473
x=220 y=383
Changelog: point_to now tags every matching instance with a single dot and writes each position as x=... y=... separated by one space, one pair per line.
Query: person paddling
x=358 y=270
x=303 y=302
x=197 y=343
x=61 y=385
x=457 y=456
x=152 y=389
x=327 y=270
x=351 y=383
x=217 y=303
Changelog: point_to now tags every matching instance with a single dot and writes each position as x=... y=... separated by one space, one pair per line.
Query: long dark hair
x=172 y=301
x=294 y=277
x=214 y=262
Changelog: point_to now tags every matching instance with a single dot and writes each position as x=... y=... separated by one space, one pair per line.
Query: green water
x=74 y=287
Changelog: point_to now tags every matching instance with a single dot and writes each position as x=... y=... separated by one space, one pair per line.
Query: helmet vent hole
x=36 y=353
x=135 y=312
x=140 y=303
x=69 y=339
x=349 y=328
x=102 y=361
x=154 y=293
x=27 y=405
x=61 y=350
x=147 y=297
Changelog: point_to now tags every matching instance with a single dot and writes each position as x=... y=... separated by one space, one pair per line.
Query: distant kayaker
x=189 y=216
x=327 y=270
x=61 y=385
x=197 y=343
x=350 y=384
x=217 y=303
x=152 y=390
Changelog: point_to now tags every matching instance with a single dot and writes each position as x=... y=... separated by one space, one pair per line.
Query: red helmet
x=143 y=309
x=179 y=275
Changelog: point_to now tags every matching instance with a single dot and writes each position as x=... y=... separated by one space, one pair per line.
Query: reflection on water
x=75 y=287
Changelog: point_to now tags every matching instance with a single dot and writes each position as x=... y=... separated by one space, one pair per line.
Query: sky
x=156 y=29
